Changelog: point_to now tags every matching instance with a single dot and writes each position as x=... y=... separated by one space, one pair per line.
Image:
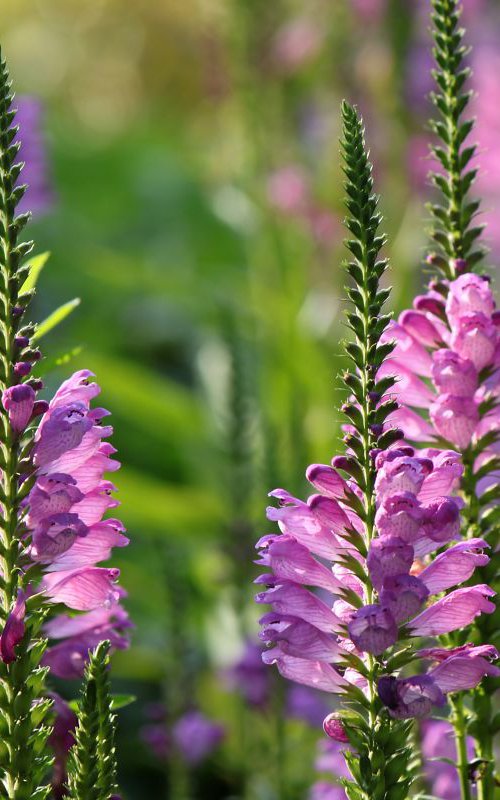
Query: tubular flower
x=68 y=536
x=316 y=578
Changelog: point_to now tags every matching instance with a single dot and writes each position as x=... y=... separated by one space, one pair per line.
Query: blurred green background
x=193 y=154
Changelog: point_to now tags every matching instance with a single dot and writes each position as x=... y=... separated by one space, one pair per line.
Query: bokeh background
x=184 y=169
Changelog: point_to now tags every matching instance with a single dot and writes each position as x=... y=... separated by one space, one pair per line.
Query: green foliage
x=454 y=232
x=55 y=318
x=35 y=265
x=92 y=759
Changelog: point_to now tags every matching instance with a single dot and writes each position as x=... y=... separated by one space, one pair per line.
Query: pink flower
x=373 y=629
x=475 y=338
x=454 y=611
x=18 y=401
x=453 y=374
x=13 y=630
x=469 y=294
x=410 y=697
x=455 y=419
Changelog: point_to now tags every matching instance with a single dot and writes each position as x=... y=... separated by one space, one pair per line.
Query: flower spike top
x=349 y=577
x=455 y=233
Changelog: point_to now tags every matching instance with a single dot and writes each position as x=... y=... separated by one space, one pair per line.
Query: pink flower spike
x=454 y=566
x=454 y=611
x=18 y=401
x=13 y=630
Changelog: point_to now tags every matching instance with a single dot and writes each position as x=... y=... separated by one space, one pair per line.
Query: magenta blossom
x=315 y=621
x=65 y=514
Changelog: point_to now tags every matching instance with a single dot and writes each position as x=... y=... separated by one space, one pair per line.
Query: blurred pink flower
x=369 y=10
x=296 y=43
x=289 y=191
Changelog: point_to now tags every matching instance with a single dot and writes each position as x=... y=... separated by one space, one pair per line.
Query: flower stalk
x=24 y=729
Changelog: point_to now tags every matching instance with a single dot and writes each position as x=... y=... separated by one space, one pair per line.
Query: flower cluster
x=66 y=535
x=314 y=636
x=451 y=337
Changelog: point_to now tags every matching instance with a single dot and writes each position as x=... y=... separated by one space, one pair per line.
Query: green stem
x=460 y=725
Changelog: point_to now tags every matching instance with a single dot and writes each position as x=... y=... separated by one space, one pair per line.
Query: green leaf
x=121 y=701
x=35 y=264
x=55 y=318
x=117 y=701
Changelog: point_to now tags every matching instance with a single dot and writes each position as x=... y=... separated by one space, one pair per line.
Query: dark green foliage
x=454 y=230
x=92 y=760
x=24 y=761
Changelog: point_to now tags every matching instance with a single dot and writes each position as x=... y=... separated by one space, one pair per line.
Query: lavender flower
x=196 y=736
x=63 y=513
x=39 y=197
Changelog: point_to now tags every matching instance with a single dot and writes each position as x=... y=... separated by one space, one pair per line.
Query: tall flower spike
x=452 y=336
x=92 y=759
x=24 y=758
x=345 y=576
x=454 y=233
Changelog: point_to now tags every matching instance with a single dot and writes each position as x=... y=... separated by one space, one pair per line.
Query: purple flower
x=18 y=401
x=400 y=515
x=475 y=339
x=438 y=744
x=469 y=294
x=410 y=697
x=373 y=629
x=403 y=595
x=250 y=677
x=39 y=197
x=323 y=790
x=306 y=704
x=80 y=634
x=454 y=566
x=452 y=374
x=334 y=728
x=454 y=611
x=196 y=736
x=69 y=537
x=61 y=740
x=455 y=418
x=13 y=630
x=388 y=556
